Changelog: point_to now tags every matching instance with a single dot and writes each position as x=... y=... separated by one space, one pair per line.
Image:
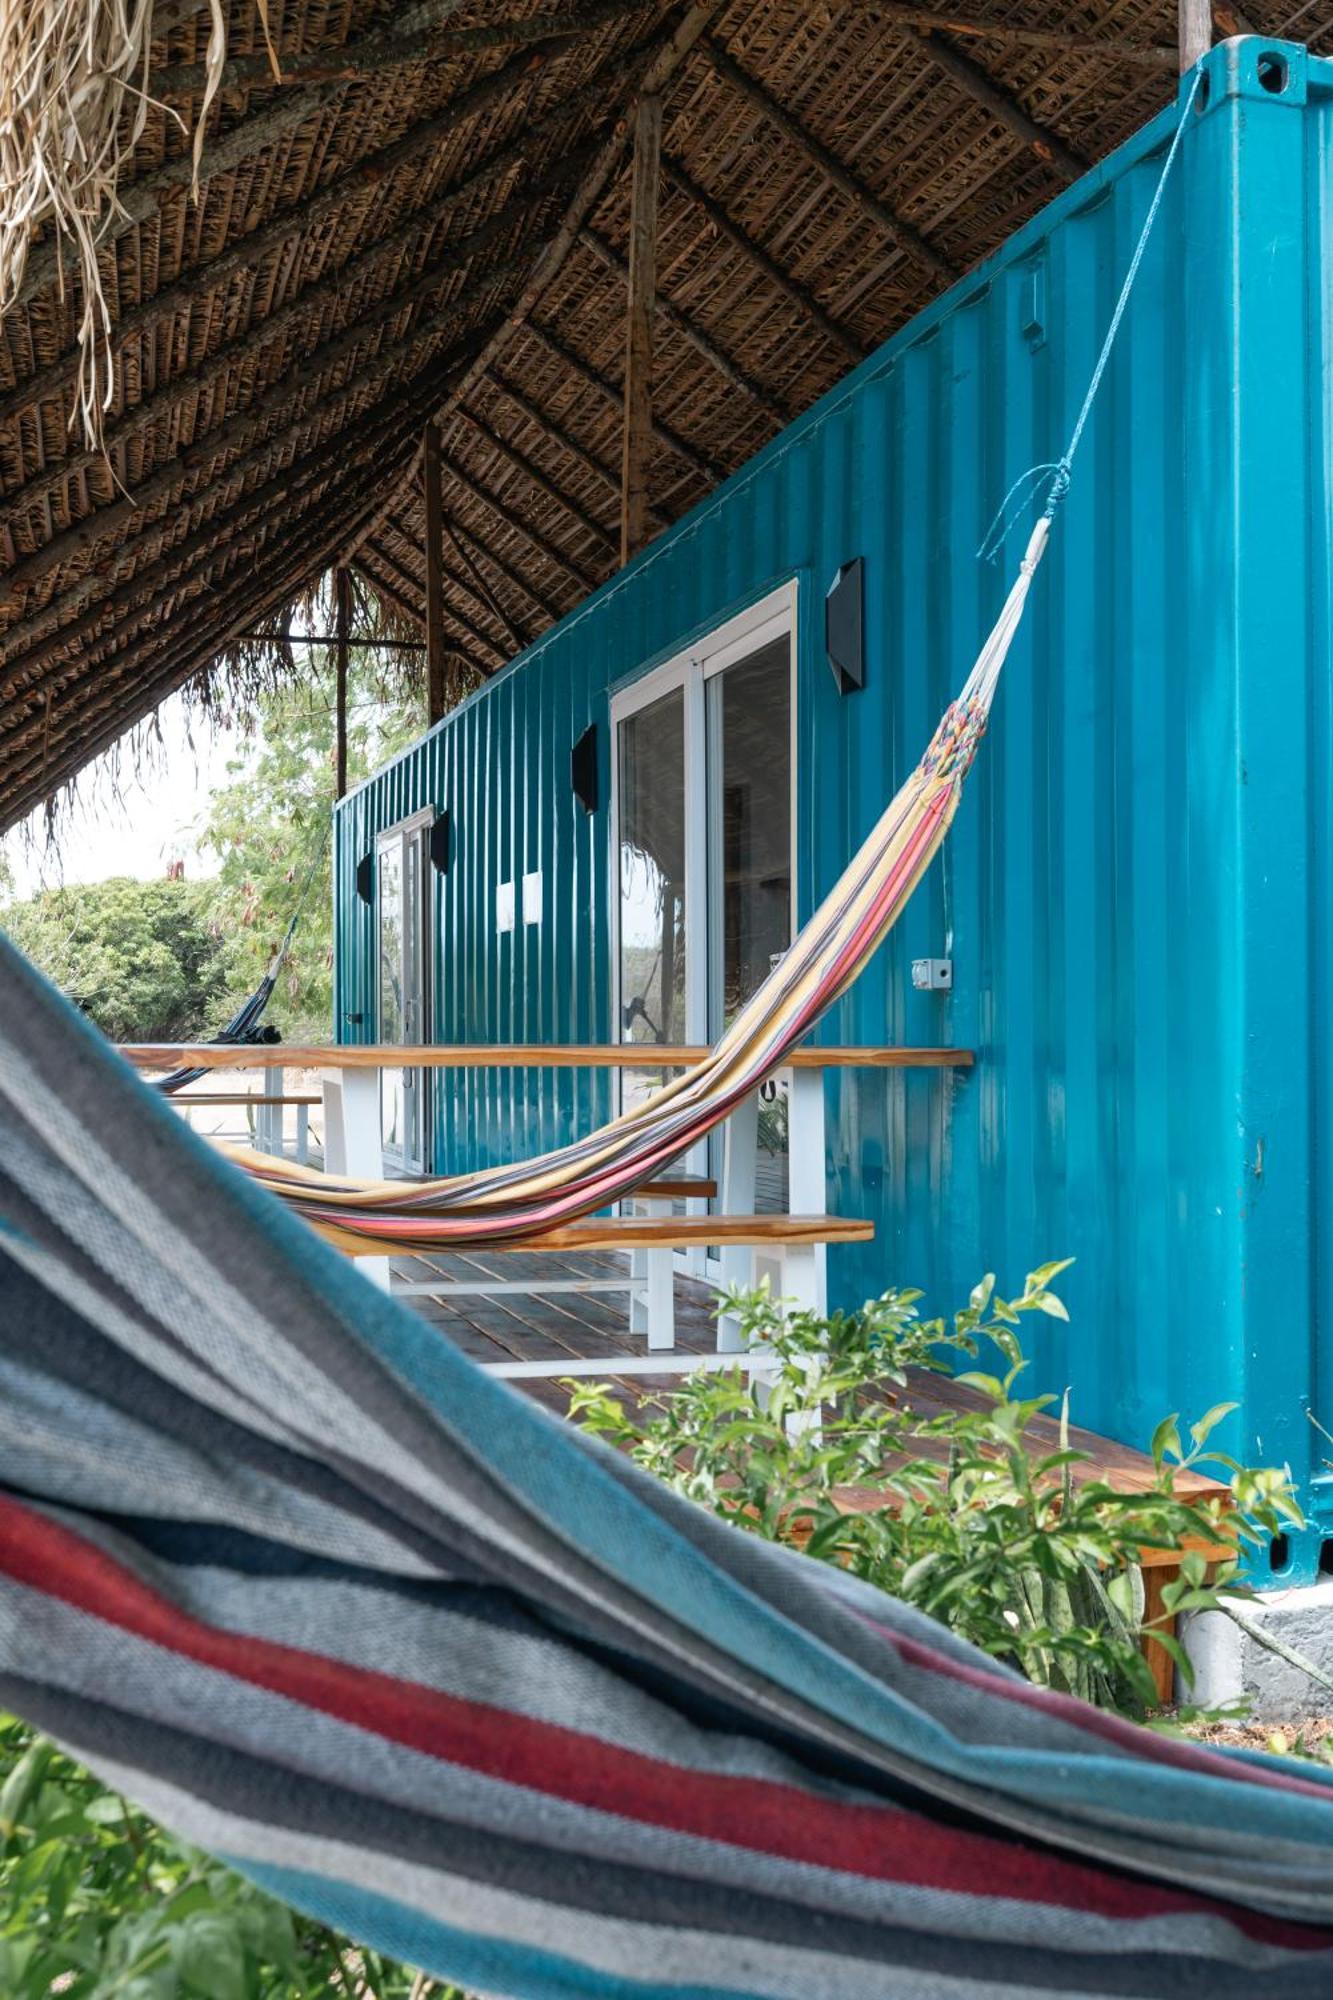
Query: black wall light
x=583 y=769
x=844 y=626
x=365 y=878
x=439 y=843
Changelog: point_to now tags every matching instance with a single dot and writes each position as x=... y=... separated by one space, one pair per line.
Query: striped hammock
x=281 y=1565
x=524 y=1199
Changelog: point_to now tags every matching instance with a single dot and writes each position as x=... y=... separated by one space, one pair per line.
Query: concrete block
x=1229 y=1665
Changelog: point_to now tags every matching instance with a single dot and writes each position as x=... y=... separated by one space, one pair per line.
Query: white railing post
x=352 y=1140
x=740 y=1158
x=807 y=1181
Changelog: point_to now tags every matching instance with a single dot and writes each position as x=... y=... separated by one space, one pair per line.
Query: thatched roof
x=429 y=216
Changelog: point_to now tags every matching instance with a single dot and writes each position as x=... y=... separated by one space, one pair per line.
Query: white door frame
x=772 y=617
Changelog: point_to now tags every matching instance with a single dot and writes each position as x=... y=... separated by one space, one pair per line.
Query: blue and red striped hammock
x=281 y=1565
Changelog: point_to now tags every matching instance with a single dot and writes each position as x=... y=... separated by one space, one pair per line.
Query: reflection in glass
x=750 y=880
x=651 y=782
x=390 y=904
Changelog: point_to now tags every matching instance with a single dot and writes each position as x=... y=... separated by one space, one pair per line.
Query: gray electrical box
x=932 y=975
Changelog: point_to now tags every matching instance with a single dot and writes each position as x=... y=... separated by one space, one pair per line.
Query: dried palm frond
x=74 y=99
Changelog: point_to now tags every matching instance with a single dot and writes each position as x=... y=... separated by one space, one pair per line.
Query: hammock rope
x=519 y=1201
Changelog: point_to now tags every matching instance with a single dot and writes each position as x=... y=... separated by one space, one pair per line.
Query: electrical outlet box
x=932 y=975
x=504 y=906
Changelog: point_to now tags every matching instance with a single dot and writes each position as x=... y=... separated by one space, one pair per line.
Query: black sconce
x=583 y=769
x=439 y=843
x=844 y=626
x=365 y=878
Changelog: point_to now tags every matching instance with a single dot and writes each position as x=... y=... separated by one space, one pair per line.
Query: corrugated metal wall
x=1135 y=894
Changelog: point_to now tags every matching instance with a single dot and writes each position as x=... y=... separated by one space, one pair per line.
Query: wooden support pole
x=1196 y=31
x=435 y=664
x=641 y=298
x=342 y=605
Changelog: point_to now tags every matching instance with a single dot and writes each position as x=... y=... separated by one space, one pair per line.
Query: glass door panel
x=651 y=872
x=750 y=864
x=404 y=1011
x=390 y=1025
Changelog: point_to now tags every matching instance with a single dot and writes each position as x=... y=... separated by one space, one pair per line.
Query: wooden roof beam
x=394 y=51
x=431 y=539
x=978 y=84
x=636 y=430
x=698 y=461
x=83 y=537
x=139 y=199
x=475 y=591
x=689 y=330
x=196 y=641
x=563 y=439
x=782 y=280
x=479 y=590
x=664 y=55
x=452 y=259
x=382 y=431
x=482 y=496
x=981 y=26
x=209 y=273
x=533 y=474
x=905 y=234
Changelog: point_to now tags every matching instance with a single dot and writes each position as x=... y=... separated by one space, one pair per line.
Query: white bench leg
x=652 y=1302
x=807 y=1173
x=268 y=1122
x=302 y=1136
x=352 y=1141
x=740 y=1152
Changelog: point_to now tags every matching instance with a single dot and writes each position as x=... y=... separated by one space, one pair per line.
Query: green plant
x=98 y=1903
x=832 y=1450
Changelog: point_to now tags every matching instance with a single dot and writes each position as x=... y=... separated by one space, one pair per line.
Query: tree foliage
x=170 y=960
x=268 y=827
x=146 y=961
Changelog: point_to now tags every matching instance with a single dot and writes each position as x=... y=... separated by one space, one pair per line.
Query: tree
x=146 y=961
x=269 y=827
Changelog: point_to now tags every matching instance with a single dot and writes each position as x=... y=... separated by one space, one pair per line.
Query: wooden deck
x=578 y=1326
x=552 y=1326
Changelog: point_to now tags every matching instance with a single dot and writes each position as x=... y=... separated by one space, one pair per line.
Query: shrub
x=98 y=1903
x=965 y=1518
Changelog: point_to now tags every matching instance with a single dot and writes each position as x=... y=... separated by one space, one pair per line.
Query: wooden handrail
x=480 y=1055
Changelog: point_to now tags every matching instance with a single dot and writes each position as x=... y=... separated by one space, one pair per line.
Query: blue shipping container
x=1136 y=898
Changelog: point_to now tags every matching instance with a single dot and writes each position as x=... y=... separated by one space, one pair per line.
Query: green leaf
x=209 y=1957
x=1199 y=1432
x=1166 y=1438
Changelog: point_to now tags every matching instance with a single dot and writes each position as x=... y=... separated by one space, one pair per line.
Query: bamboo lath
x=429 y=217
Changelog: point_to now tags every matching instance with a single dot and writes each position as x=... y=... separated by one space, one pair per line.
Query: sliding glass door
x=403 y=919
x=705 y=892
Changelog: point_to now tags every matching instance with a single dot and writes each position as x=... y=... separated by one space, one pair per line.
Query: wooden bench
x=267 y=1106
x=655 y=1237
x=1119 y=1466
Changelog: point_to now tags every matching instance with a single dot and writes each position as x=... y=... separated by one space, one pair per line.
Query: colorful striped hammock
x=282 y=1566
x=522 y=1200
